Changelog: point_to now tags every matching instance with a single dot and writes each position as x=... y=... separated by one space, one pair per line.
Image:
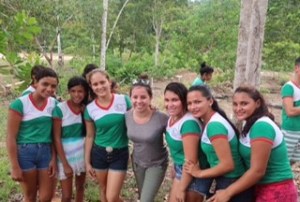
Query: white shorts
x=74 y=151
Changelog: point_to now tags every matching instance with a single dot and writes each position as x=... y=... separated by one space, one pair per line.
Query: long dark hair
x=259 y=112
x=204 y=90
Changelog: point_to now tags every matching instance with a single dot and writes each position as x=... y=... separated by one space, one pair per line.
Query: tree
x=250 y=42
x=103 y=36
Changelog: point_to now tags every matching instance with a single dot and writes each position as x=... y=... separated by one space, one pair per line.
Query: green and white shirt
x=291 y=123
x=28 y=90
x=219 y=127
x=72 y=125
x=174 y=134
x=36 y=124
x=278 y=168
x=110 y=127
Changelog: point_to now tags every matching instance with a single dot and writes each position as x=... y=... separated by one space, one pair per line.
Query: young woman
x=264 y=151
x=219 y=142
x=106 y=144
x=29 y=138
x=183 y=135
x=68 y=131
x=205 y=75
x=145 y=128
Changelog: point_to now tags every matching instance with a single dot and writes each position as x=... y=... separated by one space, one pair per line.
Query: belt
x=109 y=149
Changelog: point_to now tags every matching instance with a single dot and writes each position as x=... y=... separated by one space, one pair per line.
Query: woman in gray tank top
x=145 y=128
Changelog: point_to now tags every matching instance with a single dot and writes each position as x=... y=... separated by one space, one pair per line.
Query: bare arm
x=288 y=104
x=57 y=128
x=226 y=164
x=190 y=146
x=90 y=134
x=13 y=124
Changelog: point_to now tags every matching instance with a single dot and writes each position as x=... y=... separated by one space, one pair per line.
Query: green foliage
x=280 y=56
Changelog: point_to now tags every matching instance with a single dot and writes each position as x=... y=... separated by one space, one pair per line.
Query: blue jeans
x=245 y=196
x=117 y=159
x=201 y=186
x=34 y=156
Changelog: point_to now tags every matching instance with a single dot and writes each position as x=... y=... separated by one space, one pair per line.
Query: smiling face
x=77 y=94
x=244 y=106
x=46 y=86
x=140 y=99
x=100 y=84
x=173 y=104
x=197 y=104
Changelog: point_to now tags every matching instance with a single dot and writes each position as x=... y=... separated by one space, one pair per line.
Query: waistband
x=109 y=149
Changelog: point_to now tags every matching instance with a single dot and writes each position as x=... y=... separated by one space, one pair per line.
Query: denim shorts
x=245 y=196
x=201 y=186
x=117 y=159
x=34 y=156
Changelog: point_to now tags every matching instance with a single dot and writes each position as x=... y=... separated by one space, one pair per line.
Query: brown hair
x=90 y=74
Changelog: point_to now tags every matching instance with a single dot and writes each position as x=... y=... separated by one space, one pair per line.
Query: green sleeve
x=215 y=129
x=190 y=127
x=17 y=106
x=86 y=115
x=287 y=91
x=262 y=130
x=57 y=113
x=128 y=102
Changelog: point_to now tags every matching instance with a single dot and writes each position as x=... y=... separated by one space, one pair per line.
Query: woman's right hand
x=90 y=170
x=17 y=174
x=68 y=170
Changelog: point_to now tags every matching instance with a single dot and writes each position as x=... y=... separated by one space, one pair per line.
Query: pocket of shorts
x=24 y=148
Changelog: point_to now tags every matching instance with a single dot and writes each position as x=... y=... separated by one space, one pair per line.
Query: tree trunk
x=60 y=60
x=157 y=23
x=158 y=30
x=115 y=23
x=250 y=42
x=103 y=36
x=241 y=60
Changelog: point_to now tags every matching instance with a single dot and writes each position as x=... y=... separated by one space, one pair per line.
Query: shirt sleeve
x=57 y=113
x=215 y=129
x=17 y=106
x=287 y=91
x=164 y=119
x=86 y=115
x=262 y=130
x=190 y=127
